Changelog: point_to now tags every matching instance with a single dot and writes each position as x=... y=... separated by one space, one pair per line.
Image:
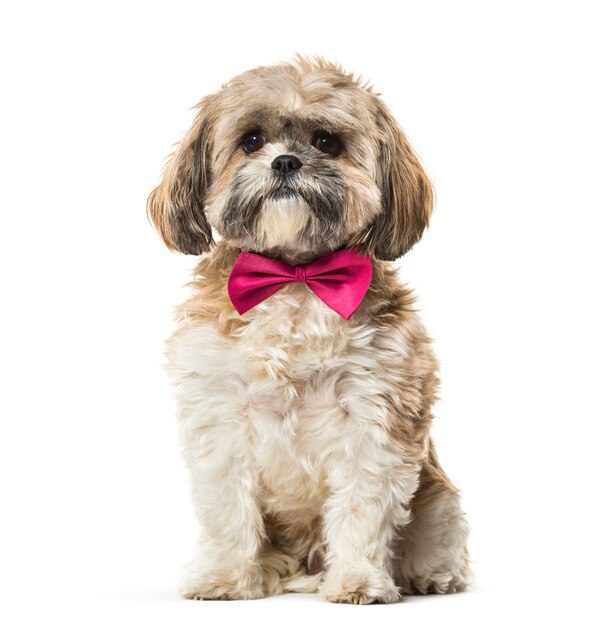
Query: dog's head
x=293 y=160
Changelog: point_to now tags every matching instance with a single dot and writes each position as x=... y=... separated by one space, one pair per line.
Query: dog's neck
x=291 y=256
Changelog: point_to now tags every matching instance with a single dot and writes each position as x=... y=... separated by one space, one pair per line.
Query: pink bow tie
x=340 y=279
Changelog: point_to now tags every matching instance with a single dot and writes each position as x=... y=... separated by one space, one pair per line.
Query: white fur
x=282 y=220
x=255 y=439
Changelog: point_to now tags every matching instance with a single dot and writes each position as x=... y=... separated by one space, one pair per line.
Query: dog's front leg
x=224 y=488
x=370 y=490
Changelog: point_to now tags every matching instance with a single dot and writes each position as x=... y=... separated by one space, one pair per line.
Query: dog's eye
x=251 y=142
x=327 y=143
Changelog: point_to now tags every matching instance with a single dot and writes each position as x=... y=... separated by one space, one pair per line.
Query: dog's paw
x=198 y=583
x=364 y=584
x=443 y=582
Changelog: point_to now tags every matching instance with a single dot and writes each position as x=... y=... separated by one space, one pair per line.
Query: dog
x=303 y=378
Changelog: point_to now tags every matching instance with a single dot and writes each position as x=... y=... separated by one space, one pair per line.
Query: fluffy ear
x=176 y=206
x=407 y=195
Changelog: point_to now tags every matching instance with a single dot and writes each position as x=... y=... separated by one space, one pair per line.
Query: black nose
x=286 y=163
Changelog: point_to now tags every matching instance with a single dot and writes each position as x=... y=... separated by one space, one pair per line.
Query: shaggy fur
x=306 y=435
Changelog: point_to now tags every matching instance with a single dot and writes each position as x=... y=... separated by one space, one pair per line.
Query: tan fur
x=407 y=193
x=306 y=435
x=436 y=496
x=388 y=217
x=210 y=302
x=176 y=205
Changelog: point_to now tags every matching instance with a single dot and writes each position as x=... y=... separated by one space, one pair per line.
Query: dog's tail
x=283 y=573
x=301 y=583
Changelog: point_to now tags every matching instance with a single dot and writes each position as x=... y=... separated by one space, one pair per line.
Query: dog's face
x=293 y=160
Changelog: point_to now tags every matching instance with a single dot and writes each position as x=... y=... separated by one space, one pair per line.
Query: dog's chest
x=280 y=385
x=296 y=351
x=293 y=335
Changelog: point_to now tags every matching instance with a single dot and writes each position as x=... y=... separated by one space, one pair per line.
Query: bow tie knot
x=340 y=279
x=300 y=273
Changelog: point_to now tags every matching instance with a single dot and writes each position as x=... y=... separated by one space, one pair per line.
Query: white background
x=501 y=101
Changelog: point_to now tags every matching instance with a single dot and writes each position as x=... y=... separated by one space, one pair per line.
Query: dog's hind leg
x=431 y=552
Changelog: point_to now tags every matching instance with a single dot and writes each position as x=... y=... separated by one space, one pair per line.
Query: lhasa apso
x=303 y=377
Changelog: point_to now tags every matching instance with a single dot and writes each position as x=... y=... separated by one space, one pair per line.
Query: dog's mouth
x=283 y=187
x=283 y=191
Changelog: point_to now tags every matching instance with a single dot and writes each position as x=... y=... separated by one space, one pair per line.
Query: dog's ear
x=406 y=193
x=176 y=206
